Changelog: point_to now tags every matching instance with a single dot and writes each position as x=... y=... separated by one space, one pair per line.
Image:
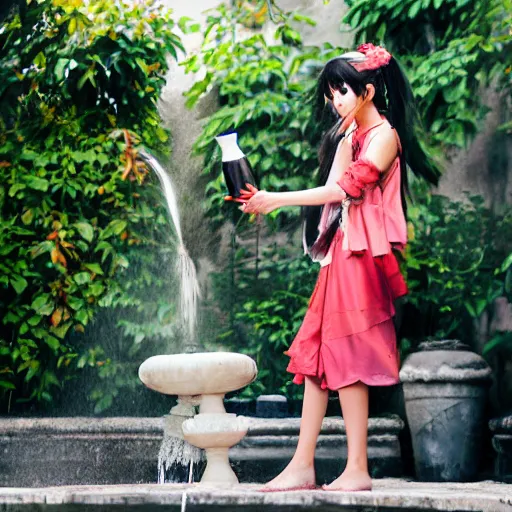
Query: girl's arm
x=381 y=152
x=265 y=202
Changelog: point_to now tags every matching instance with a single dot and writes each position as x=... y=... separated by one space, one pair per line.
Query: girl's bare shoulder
x=383 y=147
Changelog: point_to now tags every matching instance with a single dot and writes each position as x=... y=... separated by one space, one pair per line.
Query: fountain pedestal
x=216 y=433
x=210 y=375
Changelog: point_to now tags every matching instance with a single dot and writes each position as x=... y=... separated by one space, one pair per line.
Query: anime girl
x=354 y=223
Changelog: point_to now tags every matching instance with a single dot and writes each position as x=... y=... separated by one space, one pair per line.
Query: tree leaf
x=94 y=267
x=96 y=289
x=115 y=227
x=27 y=217
x=72 y=26
x=61 y=330
x=57 y=316
x=19 y=284
x=414 y=9
x=16 y=188
x=506 y=264
x=60 y=68
x=8 y=248
x=82 y=278
x=52 y=342
x=40 y=60
x=82 y=316
x=38 y=183
x=295 y=149
x=34 y=320
x=86 y=230
x=43 y=304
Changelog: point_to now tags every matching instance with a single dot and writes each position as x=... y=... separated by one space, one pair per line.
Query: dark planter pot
x=502 y=444
x=445 y=388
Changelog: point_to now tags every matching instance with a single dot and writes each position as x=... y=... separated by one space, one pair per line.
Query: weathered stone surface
x=67 y=451
x=446 y=422
x=330 y=425
x=445 y=389
x=202 y=373
x=271 y=406
x=502 y=443
x=389 y=495
x=444 y=366
x=82 y=425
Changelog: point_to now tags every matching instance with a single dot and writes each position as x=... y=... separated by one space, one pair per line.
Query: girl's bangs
x=336 y=73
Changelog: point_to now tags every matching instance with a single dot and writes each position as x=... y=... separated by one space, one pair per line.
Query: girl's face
x=343 y=99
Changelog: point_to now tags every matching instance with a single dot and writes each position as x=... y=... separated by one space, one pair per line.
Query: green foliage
x=263 y=92
x=451 y=260
x=501 y=342
x=77 y=211
x=452 y=49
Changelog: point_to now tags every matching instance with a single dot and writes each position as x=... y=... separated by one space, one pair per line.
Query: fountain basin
x=216 y=433
x=215 y=430
x=206 y=373
x=215 y=424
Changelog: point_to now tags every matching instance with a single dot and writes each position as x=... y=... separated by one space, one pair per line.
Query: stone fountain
x=206 y=377
x=197 y=378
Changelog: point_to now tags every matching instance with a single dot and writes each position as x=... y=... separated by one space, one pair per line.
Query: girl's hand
x=261 y=202
x=245 y=194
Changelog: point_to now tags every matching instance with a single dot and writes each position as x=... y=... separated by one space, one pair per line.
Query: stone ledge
x=105 y=451
x=81 y=425
x=502 y=443
x=330 y=425
x=257 y=426
x=389 y=494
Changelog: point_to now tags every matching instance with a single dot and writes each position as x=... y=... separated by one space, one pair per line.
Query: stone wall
x=39 y=452
x=485 y=167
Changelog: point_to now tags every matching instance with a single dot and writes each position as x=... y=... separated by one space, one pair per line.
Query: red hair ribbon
x=376 y=57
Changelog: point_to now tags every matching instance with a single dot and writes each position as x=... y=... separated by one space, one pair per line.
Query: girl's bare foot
x=294 y=476
x=351 y=480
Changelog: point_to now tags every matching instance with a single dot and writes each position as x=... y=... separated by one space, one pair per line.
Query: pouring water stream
x=189 y=286
x=175 y=451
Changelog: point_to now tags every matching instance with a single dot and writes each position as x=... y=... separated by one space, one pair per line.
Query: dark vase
x=445 y=388
x=235 y=165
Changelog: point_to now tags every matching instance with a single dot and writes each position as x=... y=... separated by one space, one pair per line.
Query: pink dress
x=348 y=333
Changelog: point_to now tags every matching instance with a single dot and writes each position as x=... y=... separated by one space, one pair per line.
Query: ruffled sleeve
x=359 y=176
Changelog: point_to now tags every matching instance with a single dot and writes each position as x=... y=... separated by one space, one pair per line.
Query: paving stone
x=388 y=495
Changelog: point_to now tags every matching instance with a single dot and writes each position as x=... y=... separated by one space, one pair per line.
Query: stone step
x=68 y=451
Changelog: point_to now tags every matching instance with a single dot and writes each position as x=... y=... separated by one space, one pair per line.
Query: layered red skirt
x=348 y=333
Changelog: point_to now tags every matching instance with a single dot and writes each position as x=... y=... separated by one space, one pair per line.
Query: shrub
x=82 y=227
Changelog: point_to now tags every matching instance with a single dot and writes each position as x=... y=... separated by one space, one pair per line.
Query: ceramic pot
x=445 y=389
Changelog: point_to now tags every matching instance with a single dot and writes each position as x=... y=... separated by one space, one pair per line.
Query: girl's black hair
x=394 y=99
